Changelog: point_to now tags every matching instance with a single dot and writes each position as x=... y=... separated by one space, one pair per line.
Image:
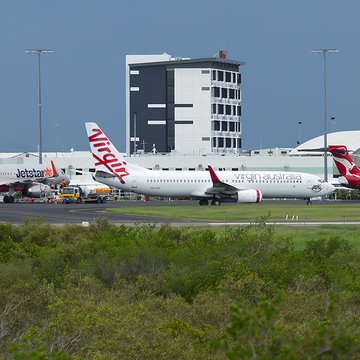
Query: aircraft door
x=134 y=182
x=309 y=183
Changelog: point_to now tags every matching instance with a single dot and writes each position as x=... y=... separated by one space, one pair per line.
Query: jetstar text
x=32 y=173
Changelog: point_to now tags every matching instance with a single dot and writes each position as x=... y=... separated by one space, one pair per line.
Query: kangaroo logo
x=105 y=156
x=343 y=161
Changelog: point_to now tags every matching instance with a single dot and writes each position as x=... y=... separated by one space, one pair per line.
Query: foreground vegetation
x=107 y=292
x=282 y=211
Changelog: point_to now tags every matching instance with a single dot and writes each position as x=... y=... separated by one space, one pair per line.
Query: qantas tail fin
x=343 y=161
x=108 y=161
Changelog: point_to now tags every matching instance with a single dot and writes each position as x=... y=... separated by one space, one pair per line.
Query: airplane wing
x=103 y=174
x=219 y=187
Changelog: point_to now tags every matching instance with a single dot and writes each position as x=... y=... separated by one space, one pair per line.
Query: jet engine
x=249 y=196
x=38 y=190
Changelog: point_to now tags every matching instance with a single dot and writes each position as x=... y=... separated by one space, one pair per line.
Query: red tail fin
x=343 y=161
x=54 y=171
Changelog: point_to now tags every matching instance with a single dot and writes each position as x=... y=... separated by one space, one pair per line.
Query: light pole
x=135 y=145
x=39 y=52
x=333 y=123
x=299 y=136
x=324 y=52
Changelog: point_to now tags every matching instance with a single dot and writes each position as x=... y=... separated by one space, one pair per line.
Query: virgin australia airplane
x=29 y=181
x=227 y=186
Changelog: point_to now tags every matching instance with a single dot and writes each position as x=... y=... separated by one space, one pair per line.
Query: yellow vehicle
x=86 y=193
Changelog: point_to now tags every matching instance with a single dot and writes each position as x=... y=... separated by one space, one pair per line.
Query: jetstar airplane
x=349 y=172
x=32 y=181
x=226 y=186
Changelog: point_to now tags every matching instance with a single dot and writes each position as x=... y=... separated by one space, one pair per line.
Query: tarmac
x=84 y=214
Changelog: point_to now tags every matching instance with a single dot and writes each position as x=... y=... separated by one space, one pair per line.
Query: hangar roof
x=351 y=139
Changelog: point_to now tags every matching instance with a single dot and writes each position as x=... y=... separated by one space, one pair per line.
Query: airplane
x=114 y=170
x=34 y=181
x=349 y=172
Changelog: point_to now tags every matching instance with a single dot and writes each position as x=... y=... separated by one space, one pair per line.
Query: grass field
x=300 y=234
x=248 y=212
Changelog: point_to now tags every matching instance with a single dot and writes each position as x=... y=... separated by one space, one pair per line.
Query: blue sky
x=84 y=79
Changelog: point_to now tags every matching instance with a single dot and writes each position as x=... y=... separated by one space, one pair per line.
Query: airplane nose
x=331 y=187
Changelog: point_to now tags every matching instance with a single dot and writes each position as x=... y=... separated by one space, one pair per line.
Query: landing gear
x=308 y=202
x=216 y=202
x=8 y=199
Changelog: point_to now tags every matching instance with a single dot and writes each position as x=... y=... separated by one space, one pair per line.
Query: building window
x=224 y=126
x=224 y=93
x=221 y=109
x=213 y=109
x=228 y=109
x=213 y=75
x=221 y=142
x=216 y=91
x=205 y=88
x=205 y=71
x=228 y=76
x=220 y=76
x=231 y=93
x=216 y=125
x=239 y=78
x=231 y=126
x=228 y=142
x=234 y=78
x=213 y=142
x=238 y=110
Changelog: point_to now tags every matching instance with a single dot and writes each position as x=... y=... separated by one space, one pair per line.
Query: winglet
x=214 y=177
x=54 y=171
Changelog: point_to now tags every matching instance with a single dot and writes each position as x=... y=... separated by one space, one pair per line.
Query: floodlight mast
x=39 y=52
x=325 y=52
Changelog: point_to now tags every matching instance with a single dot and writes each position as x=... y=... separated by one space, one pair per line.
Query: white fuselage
x=195 y=183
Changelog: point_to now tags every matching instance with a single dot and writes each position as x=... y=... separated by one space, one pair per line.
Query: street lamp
x=324 y=52
x=39 y=52
x=333 y=123
x=299 y=136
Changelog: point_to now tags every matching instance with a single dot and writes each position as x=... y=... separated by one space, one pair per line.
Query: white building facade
x=184 y=106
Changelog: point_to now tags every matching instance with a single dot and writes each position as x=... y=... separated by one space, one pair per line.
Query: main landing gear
x=308 y=202
x=8 y=199
x=214 y=201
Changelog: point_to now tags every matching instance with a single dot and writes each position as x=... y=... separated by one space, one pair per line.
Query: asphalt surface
x=60 y=214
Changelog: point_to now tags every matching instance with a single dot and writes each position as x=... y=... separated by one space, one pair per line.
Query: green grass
x=273 y=212
x=301 y=235
x=252 y=212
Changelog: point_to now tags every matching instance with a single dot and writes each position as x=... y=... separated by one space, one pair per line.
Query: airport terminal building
x=182 y=105
x=274 y=159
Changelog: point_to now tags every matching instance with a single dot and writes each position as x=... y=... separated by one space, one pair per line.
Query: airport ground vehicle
x=84 y=193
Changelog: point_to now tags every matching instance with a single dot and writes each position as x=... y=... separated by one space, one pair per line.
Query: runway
x=81 y=214
x=60 y=214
